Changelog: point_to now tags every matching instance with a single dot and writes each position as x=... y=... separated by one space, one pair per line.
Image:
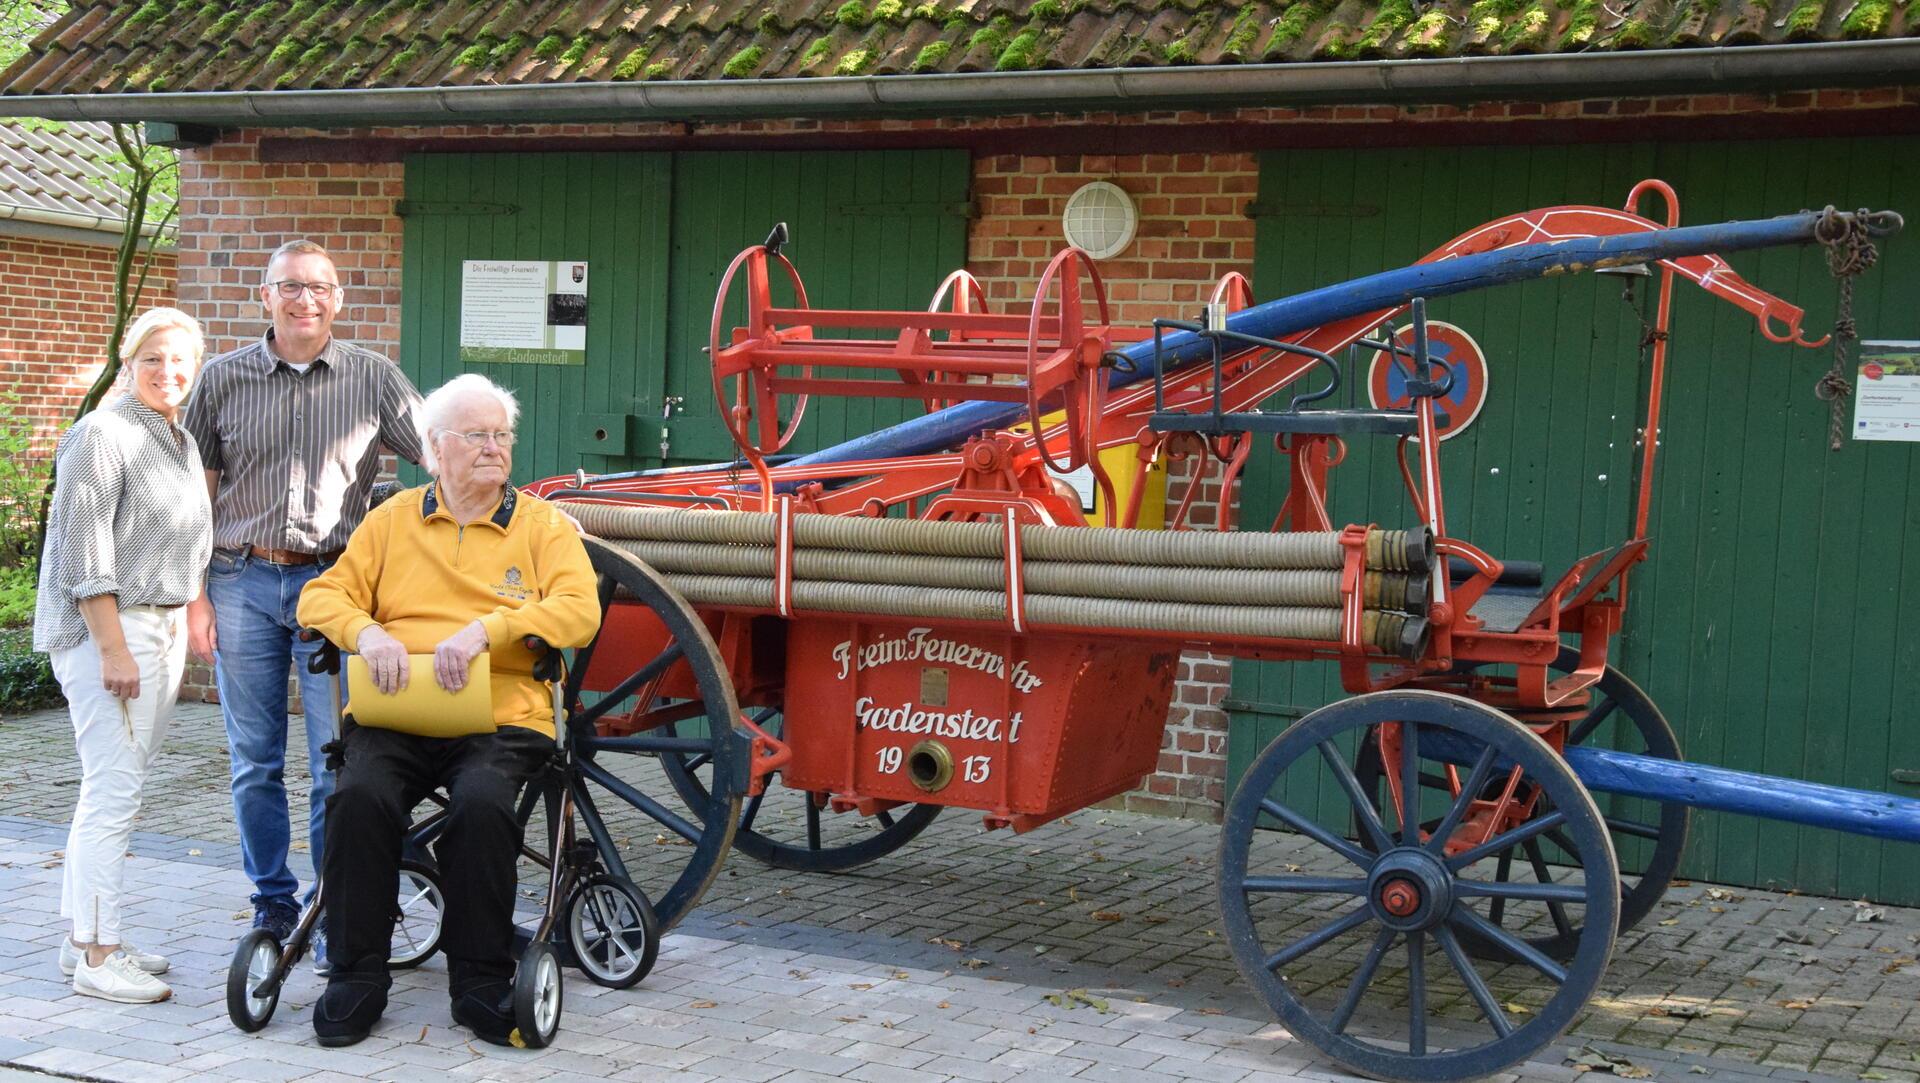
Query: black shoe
x=487 y=1010
x=278 y=915
x=352 y=1004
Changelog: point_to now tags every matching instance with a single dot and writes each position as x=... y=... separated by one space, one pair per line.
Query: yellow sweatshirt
x=417 y=573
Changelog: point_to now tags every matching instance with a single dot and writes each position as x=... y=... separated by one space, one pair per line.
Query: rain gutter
x=72 y=219
x=1554 y=76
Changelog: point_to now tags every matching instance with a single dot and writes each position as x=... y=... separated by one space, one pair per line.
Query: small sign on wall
x=523 y=312
x=1886 y=391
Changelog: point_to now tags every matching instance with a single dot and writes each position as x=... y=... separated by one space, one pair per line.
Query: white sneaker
x=119 y=979
x=70 y=957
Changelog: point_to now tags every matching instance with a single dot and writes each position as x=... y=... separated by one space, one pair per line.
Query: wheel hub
x=1410 y=889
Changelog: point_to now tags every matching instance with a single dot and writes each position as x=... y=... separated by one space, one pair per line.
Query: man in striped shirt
x=290 y=429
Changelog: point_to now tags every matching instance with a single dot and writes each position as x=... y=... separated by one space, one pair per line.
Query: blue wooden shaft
x=1696 y=785
x=1315 y=308
x=1857 y=812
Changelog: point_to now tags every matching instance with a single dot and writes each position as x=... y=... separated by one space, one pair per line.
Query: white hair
x=439 y=406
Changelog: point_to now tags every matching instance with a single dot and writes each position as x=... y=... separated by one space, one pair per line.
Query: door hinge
x=1270 y=710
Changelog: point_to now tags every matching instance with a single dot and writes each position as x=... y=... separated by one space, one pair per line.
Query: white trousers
x=117 y=740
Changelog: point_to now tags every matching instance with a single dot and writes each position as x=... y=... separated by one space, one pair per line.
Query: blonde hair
x=438 y=408
x=160 y=319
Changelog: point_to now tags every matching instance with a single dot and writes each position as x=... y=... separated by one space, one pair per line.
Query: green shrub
x=22 y=480
x=26 y=679
x=17 y=595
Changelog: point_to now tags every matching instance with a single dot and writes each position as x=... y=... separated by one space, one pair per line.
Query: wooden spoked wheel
x=646 y=834
x=1649 y=838
x=1084 y=394
x=794 y=829
x=745 y=398
x=1358 y=949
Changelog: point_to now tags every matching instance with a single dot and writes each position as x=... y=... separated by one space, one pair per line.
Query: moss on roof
x=206 y=45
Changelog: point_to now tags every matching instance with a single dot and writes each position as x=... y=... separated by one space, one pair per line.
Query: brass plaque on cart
x=933 y=686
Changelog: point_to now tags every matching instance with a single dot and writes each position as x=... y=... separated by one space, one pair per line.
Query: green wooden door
x=1767 y=624
x=870 y=229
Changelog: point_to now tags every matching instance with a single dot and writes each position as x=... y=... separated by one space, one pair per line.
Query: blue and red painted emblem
x=1387 y=381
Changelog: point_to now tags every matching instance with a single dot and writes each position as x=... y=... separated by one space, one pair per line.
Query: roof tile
x=67 y=167
x=142 y=45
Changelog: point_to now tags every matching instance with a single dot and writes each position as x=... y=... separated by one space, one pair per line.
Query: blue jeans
x=253 y=604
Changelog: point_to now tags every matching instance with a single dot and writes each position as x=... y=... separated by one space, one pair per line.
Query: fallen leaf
x=973 y=964
x=1682 y=1011
x=1669 y=921
x=946 y=942
x=1796 y=1005
x=1154 y=919
x=1514 y=1007
x=1593 y=1060
x=901 y=975
x=943 y=1004
x=1894 y=966
x=1697 y=1070
x=801 y=974
x=848 y=1018
x=886 y=1024
x=1863 y=912
x=1108 y=915
x=861 y=985
x=1073 y=893
x=703 y=1004
x=1211 y=1011
x=1176 y=982
x=1793 y=936
x=193 y=853
x=1718 y=909
x=1096 y=856
x=1873 y=1075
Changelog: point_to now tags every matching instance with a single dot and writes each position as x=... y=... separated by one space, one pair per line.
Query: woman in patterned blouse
x=128 y=538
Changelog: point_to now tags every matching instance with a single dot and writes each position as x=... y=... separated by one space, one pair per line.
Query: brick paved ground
x=1020 y=907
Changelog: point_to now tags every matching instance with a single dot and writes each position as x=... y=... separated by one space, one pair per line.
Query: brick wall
x=56 y=310
x=240 y=203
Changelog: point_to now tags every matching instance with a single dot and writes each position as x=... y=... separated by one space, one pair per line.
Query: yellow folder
x=422 y=707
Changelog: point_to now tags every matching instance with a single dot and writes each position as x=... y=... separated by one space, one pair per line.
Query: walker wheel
x=612 y=931
x=537 y=994
x=419 y=916
x=250 y=1001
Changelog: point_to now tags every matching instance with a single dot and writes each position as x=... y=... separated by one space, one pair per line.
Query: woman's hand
x=119 y=673
x=386 y=659
x=453 y=658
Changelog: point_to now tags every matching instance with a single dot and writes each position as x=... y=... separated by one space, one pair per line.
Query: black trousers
x=385 y=774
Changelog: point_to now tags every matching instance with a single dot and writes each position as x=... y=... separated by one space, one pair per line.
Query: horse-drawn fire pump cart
x=921 y=619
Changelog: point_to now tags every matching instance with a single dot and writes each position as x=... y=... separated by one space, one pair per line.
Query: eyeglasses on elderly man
x=503 y=437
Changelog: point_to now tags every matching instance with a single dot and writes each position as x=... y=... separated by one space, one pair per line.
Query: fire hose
x=1283 y=586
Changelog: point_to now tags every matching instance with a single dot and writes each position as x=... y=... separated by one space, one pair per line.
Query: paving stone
x=778 y=953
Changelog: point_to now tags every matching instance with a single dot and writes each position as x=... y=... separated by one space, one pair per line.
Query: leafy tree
x=144 y=180
x=21 y=21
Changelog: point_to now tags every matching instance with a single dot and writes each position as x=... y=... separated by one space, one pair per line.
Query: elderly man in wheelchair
x=440 y=586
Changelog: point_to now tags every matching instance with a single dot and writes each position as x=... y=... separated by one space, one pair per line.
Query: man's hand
x=453 y=658
x=120 y=674
x=386 y=659
x=203 y=637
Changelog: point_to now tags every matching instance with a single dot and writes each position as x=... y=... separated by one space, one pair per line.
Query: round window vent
x=1100 y=219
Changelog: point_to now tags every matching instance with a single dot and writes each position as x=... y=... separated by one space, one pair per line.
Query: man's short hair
x=437 y=409
x=299 y=246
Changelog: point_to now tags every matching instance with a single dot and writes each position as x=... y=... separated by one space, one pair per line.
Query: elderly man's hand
x=386 y=659
x=453 y=658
